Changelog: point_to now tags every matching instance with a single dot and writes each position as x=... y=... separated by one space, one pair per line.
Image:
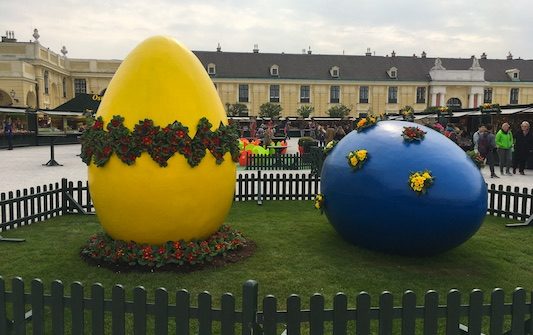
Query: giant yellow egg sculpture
x=164 y=82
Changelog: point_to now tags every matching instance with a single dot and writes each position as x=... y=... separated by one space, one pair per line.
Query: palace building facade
x=32 y=75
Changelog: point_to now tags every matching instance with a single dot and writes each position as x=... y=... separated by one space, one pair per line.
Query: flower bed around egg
x=227 y=245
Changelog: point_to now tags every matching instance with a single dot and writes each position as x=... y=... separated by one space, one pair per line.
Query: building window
x=274 y=93
x=334 y=94
x=305 y=94
x=363 y=94
x=487 y=96
x=514 y=96
x=420 y=95
x=274 y=70
x=46 y=82
x=80 y=86
x=393 y=95
x=334 y=71
x=243 y=93
x=393 y=73
x=211 y=69
x=515 y=75
x=454 y=103
x=64 y=87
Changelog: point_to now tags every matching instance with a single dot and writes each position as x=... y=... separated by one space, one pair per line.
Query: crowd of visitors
x=513 y=149
x=508 y=147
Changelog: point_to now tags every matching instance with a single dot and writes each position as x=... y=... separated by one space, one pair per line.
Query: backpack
x=483 y=144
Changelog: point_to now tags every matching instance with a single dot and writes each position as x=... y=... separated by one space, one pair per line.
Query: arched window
x=454 y=103
x=64 y=87
x=46 y=82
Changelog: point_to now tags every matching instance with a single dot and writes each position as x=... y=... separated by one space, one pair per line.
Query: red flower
x=115 y=122
x=98 y=125
x=107 y=151
x=147 y=140
x=180 y=133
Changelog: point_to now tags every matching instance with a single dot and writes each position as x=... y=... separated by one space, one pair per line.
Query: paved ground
x=22 y=168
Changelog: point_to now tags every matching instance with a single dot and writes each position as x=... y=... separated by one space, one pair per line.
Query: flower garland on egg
x=357 y=158
x=329 y=147
x=412 y=134
x=101 y=248
x=420 y=181
x=161 y=143
x=365 y=123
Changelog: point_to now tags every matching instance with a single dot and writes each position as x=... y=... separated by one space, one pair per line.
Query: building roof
x=355 y=68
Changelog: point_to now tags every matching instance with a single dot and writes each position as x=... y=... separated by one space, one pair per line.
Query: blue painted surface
x=375 y=208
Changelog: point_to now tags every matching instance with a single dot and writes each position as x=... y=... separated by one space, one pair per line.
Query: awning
x=12 y=110
x=511 y=110
x=460 y=114
x=419 y=117
x=62 y=113
x=527 y=111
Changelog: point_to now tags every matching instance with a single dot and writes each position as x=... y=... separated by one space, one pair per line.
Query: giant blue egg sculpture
x=374 y=207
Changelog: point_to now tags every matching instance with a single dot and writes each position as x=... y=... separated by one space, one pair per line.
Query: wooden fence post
x=249 y=308
x=64 y=199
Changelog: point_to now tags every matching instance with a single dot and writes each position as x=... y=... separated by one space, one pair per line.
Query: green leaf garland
x=160 y=143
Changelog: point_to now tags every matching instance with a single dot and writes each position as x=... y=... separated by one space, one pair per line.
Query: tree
x=339 y=111
x=305 y=110
x=270 y=110
x=235 y=109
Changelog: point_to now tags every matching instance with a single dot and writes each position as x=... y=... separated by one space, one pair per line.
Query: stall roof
x=419 y=117
x=12 y=110
x=81 y=103
x=63 y=113
x=459 y=114
x=512 y=110
x=527 y=111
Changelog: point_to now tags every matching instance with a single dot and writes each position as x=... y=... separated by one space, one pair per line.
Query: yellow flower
x=426 y=175
x=317 y=204
x=361 y=123
x=361 y=154
x=353 y=160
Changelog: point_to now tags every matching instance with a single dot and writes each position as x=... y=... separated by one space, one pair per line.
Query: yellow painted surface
x=161 y=80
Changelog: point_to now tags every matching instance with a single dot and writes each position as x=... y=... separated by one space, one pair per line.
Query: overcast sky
x=445 y=28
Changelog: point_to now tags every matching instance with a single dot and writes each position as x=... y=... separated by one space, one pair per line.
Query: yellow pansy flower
x=361 y=155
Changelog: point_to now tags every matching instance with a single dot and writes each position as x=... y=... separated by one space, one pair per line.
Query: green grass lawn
x=297 y=252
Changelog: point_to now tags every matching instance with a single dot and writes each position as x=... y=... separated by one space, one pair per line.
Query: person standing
x=8 y=133
x=489 y=151
x=523 y=145
x=504 y=143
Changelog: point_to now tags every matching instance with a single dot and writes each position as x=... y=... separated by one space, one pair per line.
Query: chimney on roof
x=309 y=51
x=393 y=54
x=424 y=54
x=483 y=56
x=219 y=49
x=368 y=53
x=10 y=36
x=256 y=49
x=510 y=56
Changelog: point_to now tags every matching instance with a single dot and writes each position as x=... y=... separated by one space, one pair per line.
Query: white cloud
x=110 y=29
